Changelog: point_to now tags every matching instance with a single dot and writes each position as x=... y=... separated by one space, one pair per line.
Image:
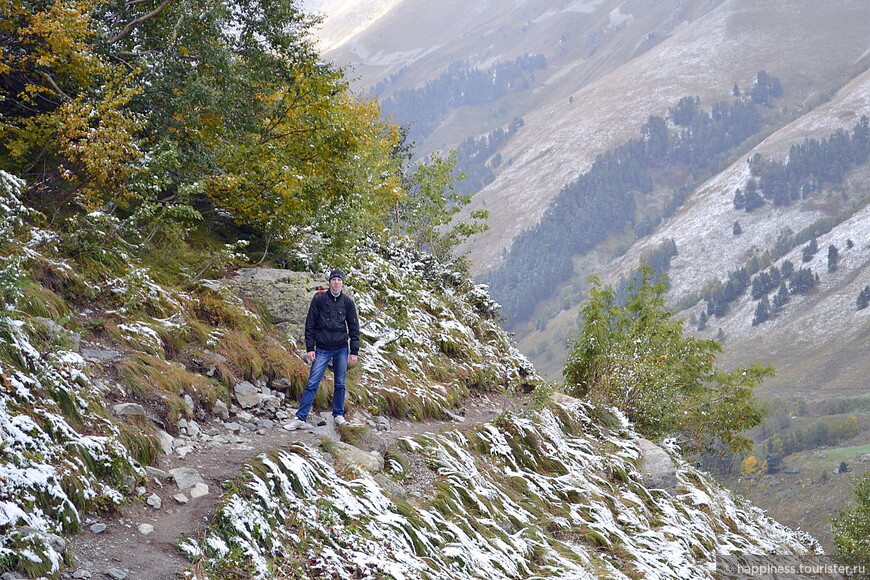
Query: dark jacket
x=332 y=322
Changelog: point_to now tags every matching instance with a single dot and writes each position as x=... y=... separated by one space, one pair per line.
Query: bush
x=636 y=358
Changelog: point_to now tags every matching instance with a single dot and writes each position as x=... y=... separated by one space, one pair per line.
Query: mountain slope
x=583 y=105
x=556 y=488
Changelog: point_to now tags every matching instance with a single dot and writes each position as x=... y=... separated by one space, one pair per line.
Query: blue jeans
x=318 y=368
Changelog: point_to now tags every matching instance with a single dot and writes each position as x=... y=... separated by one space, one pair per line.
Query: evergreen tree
x=833 y=257
x=864 y=298
x=736 y=229
x=810 y=250
x=781 y=297
x=802 y=281
x=702 y=320
x=762 y=311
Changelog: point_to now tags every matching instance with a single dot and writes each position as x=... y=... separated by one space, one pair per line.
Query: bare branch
x=133 y=24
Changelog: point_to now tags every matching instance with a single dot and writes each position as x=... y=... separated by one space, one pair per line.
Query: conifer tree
x=833 y=257
x=762 y=311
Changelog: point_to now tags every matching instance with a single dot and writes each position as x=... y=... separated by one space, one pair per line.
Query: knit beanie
x=336 y=273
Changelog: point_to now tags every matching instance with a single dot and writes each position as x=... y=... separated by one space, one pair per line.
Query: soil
x=123 y=551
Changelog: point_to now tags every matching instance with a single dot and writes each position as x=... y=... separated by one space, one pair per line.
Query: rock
x=382 y=424
x=180 y=498
x=371 y=461
x=167 y=441
x=154 y=501
x=115 y=574
x=81 y=573
x=284 y=294
x=198 y=490
x=101 y=356
x=146 y=529
x=128 y=409
x=656 y=466
x=74 y=339
x=221 y=410
x=155 y=472
x=234 y=427
x=246 y=395
x=98 y=528
x=188 y=402
x=185 y=477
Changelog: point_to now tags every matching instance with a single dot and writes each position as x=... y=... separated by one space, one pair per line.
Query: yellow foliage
x=79 y=98
x=752 y=467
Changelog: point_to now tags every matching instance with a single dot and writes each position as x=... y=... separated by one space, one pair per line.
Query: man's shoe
x=296 y=424
x=339 y=420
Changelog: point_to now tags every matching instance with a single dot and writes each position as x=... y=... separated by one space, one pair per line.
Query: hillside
x=109 y=374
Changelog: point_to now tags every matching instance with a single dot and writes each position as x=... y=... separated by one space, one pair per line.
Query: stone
x=188 y=402
x=146 y=529
x=234 y=427
x=198 y=490
x=154 y=501
x=101 y=356
x=81 y=574
x=180 y=498
x=371 y=461
x=185 y=477
x=221 y=410
x=116 y=574
x=656 y=467
x=155 y=472
x=167 y=441
x=246 y=395
x=98 y=528
x=127 y=409
x=284 y=294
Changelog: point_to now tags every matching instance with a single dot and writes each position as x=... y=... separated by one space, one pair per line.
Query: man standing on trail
x=332 y=323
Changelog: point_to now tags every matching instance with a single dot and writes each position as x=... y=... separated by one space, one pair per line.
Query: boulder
x=343 y=453
x=247 y=395
x=656 y=466
x=284 y=294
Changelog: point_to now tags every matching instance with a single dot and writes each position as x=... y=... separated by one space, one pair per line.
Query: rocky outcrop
x=283 y=294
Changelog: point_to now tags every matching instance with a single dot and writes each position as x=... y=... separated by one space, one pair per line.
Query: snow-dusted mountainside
x=547 y=494
x=610 y=65
x=550 y=487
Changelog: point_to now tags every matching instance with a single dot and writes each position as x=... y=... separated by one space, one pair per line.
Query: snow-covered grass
x=547 y=493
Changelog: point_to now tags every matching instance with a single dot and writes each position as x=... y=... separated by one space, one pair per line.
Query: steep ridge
x=557 y=487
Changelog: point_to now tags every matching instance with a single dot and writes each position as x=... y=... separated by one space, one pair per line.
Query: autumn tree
x=636 y=357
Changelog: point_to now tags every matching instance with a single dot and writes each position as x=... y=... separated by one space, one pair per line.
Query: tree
x=802 y=281
x=810 y=250
x=833 y=257
x=864 y=298
x=852 y=526
x=430 y=205
x=736 y=229
x=636 y=357
x=762 y=311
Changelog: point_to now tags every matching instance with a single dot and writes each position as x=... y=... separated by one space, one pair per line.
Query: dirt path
x=128 y=549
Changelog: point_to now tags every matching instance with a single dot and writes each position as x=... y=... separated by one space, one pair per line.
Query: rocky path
x=139 y=541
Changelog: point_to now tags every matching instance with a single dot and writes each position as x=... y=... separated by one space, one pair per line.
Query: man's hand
x=311 y=356
x=351 y=360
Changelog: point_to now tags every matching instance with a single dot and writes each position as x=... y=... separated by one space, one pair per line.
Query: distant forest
x=602 y=200
x=422 y=110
